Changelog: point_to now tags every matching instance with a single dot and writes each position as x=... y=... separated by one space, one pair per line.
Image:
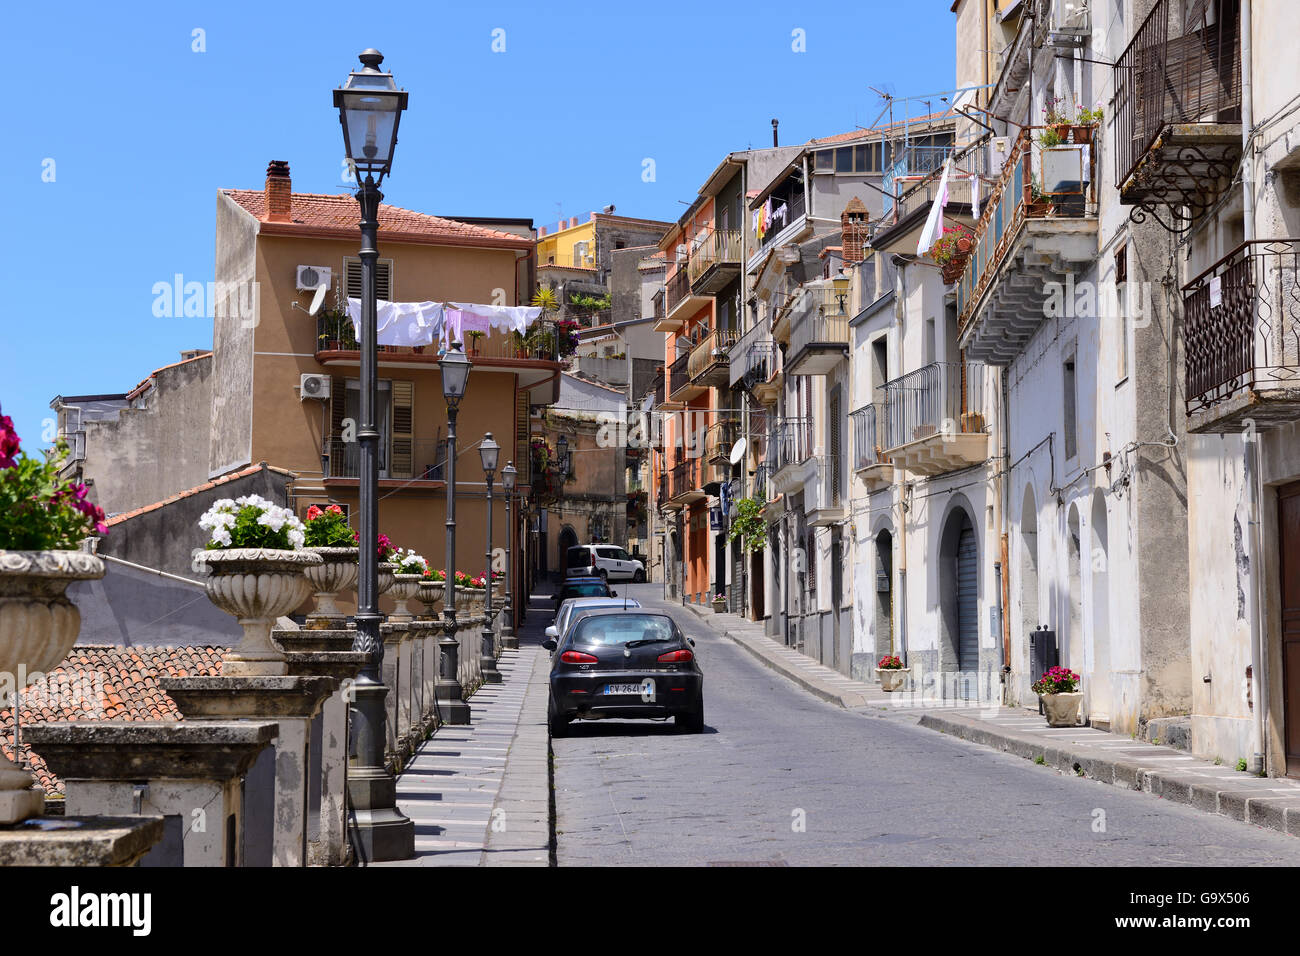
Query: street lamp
x=489 y=452
x=454 y=367
x=370 y=105
x=509 y=474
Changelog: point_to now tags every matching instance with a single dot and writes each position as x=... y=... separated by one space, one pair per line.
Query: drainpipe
x=1259 y=657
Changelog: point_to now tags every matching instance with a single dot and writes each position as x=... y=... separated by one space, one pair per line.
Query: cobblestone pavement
x=782 y=776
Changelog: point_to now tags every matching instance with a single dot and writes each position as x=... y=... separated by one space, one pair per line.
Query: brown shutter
x=338 y=413
x=523 y=451
x=402 y=448
x=383 y=278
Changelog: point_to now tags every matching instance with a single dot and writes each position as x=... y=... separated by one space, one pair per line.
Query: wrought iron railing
x=418 y=459
x=546 y=340
x=1193 y=78
x=659 y=389
x=762 y=475
x=711 y=351
x=1243 y=322
x=794 y=210
x=819 y=315
x=868 y=436
x=943 y=398
x=794 y=441
x=677 y=288
x=720 y=438
x=717 y=247
x=679 y=373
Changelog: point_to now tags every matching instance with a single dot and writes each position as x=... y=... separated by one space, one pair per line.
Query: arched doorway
x=568 y=539
x=959 y=643
x=1072 y=645
x=1029 y=614
x=884 y=588
x=1098 y=687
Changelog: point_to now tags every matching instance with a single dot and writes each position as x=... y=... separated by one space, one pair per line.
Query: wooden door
x=1289 y=545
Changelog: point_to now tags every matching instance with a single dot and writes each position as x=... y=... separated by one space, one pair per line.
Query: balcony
x=716 y=261
x=824 y=502
x=680 y=302
x=819 y=330
x=789 y=220
x=1024 y=246
x=793 y=441
x=762 y=479
x=681 y=389
x=869 y=460
x=659 y=313
x=685 y=483
x=1243 y=339
x=935 y=419
x=1178 y=114
x=403 y=463
x=709 y=365
x=720 y=438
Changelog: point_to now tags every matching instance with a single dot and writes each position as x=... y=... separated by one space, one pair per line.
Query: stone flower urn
x=892 y=678
x=387 y=574
x=431 y=596
x=38 y=626
x=472 y=600
x=336 y=572
x=256 y=586
x=1063 y=709
x=404 y=588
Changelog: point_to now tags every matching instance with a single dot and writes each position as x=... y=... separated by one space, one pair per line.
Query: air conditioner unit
x=999 y=150
x=1070 y=25
x=313 y=386
x=682 y=252
x=312 y=277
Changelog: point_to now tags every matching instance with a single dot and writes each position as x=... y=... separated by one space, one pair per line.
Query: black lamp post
x=448 y=691
x=489 y=452
x=509 y=474
x=370 y=105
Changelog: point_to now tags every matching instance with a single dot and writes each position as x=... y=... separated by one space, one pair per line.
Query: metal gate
x=968 y=629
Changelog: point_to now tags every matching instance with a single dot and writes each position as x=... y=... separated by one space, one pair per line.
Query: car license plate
x=645 y=690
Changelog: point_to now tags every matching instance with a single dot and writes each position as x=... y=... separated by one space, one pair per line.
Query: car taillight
x=677 y=657
x=577 y=657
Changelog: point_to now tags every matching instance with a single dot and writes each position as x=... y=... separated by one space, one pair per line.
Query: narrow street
x=869 y=788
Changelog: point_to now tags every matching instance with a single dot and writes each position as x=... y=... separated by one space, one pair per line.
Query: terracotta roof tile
x=206 y=486
x=105 y=682
x=324 y=212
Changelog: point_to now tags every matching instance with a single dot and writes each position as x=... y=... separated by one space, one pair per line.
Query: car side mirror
x=691 y=641
x=551 y=632
x=613 y=594
x=550 y=643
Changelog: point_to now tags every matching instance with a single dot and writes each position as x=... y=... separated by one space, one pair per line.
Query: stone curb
x=1248 y=800
x=809 y=682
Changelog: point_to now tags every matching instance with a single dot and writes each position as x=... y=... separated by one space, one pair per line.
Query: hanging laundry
x=401 y=323
x=931 y=231
x=506 y=318
x=975 y=195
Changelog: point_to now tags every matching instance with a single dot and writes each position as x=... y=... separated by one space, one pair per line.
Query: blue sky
x=142 y=131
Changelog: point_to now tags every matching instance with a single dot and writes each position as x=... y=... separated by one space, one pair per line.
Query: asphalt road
x=782 y=777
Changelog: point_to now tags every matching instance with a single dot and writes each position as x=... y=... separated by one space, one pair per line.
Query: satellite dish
x=317 y=299
x=738 y=451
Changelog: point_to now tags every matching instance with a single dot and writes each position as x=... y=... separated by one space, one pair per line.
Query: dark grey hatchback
x=624 y=663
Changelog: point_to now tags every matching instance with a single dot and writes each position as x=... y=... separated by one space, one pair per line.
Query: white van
x=603 y=560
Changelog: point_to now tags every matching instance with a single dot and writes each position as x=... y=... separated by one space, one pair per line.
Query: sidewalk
x=1174 y=775
x=480 y=794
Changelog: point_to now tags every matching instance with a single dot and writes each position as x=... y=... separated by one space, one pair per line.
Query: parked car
x=582 y=587
x=574 y=608
x=603 y=560
x=617 y=663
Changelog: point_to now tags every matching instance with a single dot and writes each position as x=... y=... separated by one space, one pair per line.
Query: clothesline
x=423 y=323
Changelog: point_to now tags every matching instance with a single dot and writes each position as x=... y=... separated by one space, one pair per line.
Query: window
x=383 y=278
x=1121 y=312
x=1071 y=439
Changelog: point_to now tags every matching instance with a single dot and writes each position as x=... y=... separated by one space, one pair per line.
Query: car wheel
x=639 y=576
x=692 y=722
x=604 y=575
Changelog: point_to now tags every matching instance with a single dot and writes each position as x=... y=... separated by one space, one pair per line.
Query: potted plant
x=1062 y=699
x=951 y=250
x=409 y=570
x=326 y=532
x=1039 y=203
x=748 y=525
x=255 y=558
x=474 y=337
x=1056 y=119
x=1085 y=121
x=891 y=673
x=719 y=603
x=43 y=521
x=432 y=585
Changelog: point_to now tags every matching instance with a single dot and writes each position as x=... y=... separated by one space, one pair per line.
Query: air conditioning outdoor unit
x=682 y=252
x=313 y=386
x=312 y=277
x=999 y=150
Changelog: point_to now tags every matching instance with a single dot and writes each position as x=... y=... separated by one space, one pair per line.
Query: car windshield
x=622 y=629
x=594 y=589
x=579 y=558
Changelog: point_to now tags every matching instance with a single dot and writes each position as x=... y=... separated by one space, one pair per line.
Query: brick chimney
x=279 y=192
x=853 y=228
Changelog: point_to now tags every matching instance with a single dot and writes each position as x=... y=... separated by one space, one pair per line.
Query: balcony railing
x=658 y=304
x=1009 y=204
x=679 y=373
x=711 y=352
x=677 y=288
x=546 y=340
x=762 y=475
x=868 y=436
x=819 y=330
x=419 y=459
x=794 y=441
x=794 y=210
x=720 y=438
x=716 y=251
x=1243 y=323
x=938 y=399
x=1194 y=78
x=659 y=389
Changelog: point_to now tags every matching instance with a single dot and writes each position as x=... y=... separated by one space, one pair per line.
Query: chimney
x=775 y=124
x=853 y=229
x=279 y=192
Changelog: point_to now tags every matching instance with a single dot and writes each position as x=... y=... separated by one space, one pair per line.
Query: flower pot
x=1063 y=709
x=336 y=572
x=38 y=626
x=891 y=678
x=964 y=244
x=719 y=605
x=1081 y=134
x=1062 y=130
x=256 y=586
x=430 y=593
x=405 y=587
x=472 y=600
x=1037 y=209
x=387 y=572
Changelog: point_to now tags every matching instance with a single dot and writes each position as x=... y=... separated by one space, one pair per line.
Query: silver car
x=574 y=608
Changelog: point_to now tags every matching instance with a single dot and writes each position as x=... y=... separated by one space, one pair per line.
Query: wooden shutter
x=402 y=438
x=338 y=413
x=383 y=278
x=833 y=478
x=523 y=450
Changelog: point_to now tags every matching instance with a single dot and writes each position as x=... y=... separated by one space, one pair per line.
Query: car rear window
x=595 y=589
x=622 y=628
x=579 y=558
